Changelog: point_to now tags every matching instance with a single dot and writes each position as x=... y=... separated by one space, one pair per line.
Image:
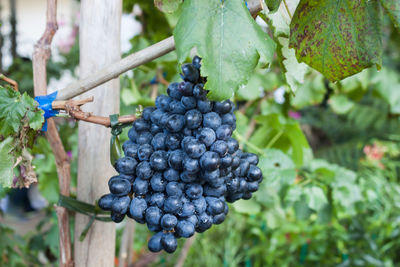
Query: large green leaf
x=227 y=38
x=338 y=38
x=6 y=162
x=392 y=7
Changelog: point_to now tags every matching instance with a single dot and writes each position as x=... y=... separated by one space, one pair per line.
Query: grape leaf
x=392 y=7
x=273 y=5
x=337 y=38
x=167 y=6
x=293 y=71
x=227 y=38
x=6 y=162
x=341 y=104
x=14 y=108
x=281 y=133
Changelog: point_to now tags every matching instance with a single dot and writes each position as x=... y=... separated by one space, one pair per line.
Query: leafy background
x=328 y=145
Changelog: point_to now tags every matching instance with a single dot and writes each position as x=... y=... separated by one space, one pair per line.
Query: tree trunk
x=99 y=46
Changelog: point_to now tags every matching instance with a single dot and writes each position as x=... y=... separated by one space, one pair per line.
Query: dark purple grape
x=211 y=120
x=145 y=151
x=154 y=244
x=120 y=187
x=105 y=201
x=168 y=242
x=190 y=73
x=126 y=165
x=173 y=91
x=193 y=119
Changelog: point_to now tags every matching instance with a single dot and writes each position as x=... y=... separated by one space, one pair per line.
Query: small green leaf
x=247 y=207
x=36 y=119
x=273 y=5
x=311 y=92
x=392 y=7
x=294 y=71
x=277 y=167
x=337 y=38
x=316 y=197
x=301 y=208
x=6 y=162
x=281 y=133
x=14 y=108
x=387 y=84
x=341 y=104
x=167 y=6
x=227 y=38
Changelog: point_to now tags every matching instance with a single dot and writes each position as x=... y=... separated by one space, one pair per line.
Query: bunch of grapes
x=181 y=165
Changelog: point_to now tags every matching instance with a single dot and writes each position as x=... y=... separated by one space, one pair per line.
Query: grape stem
x=247 y=143
x=13 y=83
x=73 y=108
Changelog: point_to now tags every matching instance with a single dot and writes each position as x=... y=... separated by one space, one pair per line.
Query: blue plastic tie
x=45 y=104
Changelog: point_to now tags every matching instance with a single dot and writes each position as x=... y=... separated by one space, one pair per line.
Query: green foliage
x=20 y=120
x=276 y=131
x=7 y=162
x=16 y=108
x=221 y=32
x=337 y=38
x=392 y=7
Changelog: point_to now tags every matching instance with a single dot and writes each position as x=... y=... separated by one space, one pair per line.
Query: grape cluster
x=181 y=165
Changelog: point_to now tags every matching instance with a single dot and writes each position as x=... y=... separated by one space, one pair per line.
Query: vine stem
x=72 y=107
x=41 y=55
x=13 y=83
x=132 y=61
x=242 y=139
x=287 y=9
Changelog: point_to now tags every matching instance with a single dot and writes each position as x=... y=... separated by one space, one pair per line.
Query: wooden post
x=99 y=47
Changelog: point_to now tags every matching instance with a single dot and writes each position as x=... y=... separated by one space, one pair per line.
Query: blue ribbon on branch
x=45 y=104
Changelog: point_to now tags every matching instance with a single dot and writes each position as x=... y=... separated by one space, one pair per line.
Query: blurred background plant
x=330 y=154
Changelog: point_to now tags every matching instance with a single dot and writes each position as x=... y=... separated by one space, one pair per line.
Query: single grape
x=190 y=73
x=105 y=201
x=126 y=165
x=185 y=229
x=154 y=244
x=120 y=205
x=168 y=242
x=143 y=170
x=193 y=119
x=168 y=222
x=140 y=186
x=153 y=215
x=211 y=120
x=137 y=208
x=145 y=151
x=120 y=187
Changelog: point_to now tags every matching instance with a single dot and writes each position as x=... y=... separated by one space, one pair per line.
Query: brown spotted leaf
x=392 y=7
x=167 y=6
x=338 y=38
